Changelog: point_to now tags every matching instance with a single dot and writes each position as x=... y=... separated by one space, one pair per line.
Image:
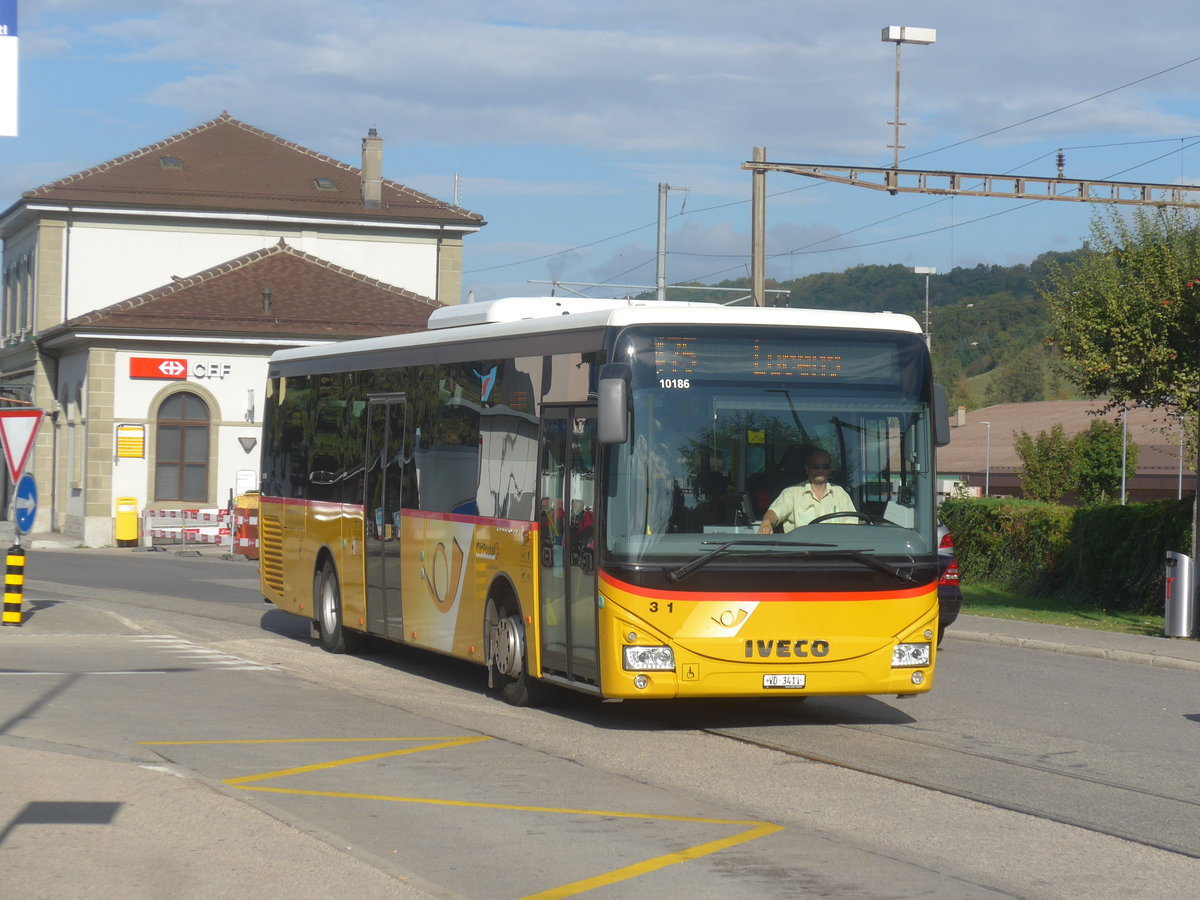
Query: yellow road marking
x=299 y=741
x=317 y=767
x=761 y=829
x=754 y=829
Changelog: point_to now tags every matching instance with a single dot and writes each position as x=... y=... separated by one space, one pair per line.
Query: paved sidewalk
x=1174 y=653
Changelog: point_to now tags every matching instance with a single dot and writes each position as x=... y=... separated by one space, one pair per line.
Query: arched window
x=181 y=449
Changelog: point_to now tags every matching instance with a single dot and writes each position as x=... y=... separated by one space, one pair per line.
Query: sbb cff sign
x=157 y=367
x=176 y=369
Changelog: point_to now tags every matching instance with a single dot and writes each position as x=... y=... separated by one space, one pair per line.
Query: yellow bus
x=571 y=492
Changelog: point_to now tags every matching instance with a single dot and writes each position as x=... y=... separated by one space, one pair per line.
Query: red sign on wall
x=157 y=367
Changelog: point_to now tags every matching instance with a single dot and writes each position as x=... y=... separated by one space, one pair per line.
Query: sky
x=557 y=120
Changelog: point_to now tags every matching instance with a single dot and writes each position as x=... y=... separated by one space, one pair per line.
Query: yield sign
x=18 y=428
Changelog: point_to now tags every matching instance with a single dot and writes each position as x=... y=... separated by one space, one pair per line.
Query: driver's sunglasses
x=822 y=468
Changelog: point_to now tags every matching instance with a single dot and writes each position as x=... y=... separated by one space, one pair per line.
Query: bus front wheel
x=327 y=604
x=507 y=659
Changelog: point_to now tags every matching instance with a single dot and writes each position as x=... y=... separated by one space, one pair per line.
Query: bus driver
x=801 y=503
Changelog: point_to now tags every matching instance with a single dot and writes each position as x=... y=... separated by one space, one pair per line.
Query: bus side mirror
x=941 y=417
x=612 y=403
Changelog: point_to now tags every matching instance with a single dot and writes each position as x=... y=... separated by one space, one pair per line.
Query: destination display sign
x=694 y=356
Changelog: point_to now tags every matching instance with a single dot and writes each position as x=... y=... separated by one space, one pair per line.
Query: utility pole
x=758 y=229
x=926 y=271
x=661 y=279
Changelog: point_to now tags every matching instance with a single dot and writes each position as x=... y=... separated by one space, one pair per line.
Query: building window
x=181 y=449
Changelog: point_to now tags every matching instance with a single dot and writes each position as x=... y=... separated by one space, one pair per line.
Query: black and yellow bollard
x=14 y=585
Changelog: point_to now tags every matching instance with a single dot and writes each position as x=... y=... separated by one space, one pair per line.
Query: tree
x=961 y=394
x=1126 y=316
x=1022 y=380
x=1097 y=454
x=1049 y=464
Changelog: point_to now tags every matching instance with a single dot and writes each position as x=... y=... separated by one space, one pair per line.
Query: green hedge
x=1108 y=556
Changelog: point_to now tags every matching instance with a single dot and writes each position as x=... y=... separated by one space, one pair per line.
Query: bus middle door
x=384 y=484
x=566 y=537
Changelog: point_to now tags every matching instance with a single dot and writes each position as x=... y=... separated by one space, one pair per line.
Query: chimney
x=372 y=170
x=962 y=417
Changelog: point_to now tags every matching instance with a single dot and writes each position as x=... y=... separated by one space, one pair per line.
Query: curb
x=1156 y=660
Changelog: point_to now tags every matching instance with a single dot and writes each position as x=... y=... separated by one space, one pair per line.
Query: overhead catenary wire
x=1052 y=112
x=806 y=249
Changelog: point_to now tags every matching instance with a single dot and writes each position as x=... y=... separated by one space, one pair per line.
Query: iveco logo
x=767 y=649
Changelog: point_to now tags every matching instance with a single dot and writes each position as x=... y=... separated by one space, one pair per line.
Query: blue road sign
x=25 y=503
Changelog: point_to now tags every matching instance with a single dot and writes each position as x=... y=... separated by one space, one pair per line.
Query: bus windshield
x=722 y=423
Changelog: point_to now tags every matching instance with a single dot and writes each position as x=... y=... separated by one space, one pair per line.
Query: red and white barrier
x=186 y=526
x=236 y=529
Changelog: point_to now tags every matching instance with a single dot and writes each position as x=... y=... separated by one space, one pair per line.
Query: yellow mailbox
x=127 y=522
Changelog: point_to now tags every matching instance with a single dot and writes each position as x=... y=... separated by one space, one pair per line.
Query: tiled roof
x=970 y=449
x=310 y=298
x=227 y=165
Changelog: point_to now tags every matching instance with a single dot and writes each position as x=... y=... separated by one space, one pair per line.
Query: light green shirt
x=798 y=505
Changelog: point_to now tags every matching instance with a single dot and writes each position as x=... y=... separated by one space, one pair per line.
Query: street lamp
x=926 y=271
x=903 y=34
x=987 y=461
x=1179 y=488
x=1124 y=445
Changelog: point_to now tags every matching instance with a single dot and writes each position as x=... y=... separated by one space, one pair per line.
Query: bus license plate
x=783 y=681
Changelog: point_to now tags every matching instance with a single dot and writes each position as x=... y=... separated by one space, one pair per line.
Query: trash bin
x=1180 y=616
x=127 y=522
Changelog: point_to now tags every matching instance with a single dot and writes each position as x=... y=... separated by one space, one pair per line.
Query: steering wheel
x=870 y=520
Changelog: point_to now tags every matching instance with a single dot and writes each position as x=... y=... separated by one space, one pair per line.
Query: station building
x=142 y=298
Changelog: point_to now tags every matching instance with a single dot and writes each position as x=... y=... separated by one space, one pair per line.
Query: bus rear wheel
x=508 y=658
x=327 y=604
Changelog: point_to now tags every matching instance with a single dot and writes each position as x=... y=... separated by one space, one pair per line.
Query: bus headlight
x=652 y=659
x=908 y=655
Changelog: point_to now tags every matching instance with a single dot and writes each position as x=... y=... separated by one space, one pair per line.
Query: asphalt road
x=1023 y=773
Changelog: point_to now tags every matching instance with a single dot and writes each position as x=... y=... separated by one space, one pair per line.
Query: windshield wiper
x=677 y=575
x=859 y=555
x=870 y=561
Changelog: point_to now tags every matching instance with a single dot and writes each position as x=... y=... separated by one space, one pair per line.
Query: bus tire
x=327 y=604
x=508 y=656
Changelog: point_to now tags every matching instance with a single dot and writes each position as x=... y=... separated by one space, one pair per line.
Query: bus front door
x=567 y=549
x=384 y=465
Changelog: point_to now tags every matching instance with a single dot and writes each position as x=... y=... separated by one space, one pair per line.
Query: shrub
x=1108 y=556
x=1116 y=554
x=1014 y=543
